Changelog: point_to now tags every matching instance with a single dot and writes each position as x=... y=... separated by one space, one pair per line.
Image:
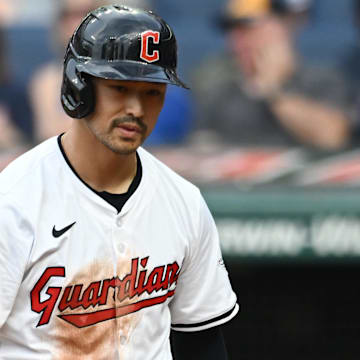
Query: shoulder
x=22 y=173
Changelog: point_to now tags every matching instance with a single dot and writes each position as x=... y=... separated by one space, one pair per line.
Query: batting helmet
x=119 y=43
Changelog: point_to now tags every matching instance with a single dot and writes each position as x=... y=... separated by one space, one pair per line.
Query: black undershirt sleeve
x=198 y=345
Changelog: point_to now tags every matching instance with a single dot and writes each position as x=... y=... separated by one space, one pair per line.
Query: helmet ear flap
x=77 y=93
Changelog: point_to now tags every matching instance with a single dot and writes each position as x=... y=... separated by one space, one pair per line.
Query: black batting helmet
x=119 y=43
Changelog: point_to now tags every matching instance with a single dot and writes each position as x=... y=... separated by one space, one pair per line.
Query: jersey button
x=118 y=222
x=121 y=247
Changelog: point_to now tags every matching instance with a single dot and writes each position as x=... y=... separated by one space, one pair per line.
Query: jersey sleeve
x=15 y=247
x=204 y=297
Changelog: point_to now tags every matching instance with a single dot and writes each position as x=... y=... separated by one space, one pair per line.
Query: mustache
x=129 y=119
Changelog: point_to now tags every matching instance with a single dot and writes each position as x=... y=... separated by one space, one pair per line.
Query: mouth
x=130 y=127
x=129 y=130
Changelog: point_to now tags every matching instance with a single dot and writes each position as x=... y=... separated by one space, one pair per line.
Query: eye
x=119 y=88
x=153 y=92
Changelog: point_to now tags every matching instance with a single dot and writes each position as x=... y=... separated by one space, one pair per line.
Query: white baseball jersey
x=78 y=280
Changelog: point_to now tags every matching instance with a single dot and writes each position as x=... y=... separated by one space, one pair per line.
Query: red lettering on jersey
x=74 y=301
x=47 y=306
x=83 y=320
x=135 y=283
x=144 y=52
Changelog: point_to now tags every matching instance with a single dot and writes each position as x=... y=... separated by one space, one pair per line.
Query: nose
x=134 y=105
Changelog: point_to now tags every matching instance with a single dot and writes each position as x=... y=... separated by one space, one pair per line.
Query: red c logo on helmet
x=144 y=53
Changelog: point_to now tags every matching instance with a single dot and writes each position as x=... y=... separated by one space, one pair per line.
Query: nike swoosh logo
x=58 y=233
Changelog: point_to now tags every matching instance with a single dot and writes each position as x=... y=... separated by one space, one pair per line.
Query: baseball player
x=103 y=249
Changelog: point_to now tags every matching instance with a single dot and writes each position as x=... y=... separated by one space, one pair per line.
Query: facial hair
x=129 y=120
x=123 y=150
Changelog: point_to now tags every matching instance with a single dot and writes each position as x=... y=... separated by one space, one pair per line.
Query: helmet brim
x=128 y=70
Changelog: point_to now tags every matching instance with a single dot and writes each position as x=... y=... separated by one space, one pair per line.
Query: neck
x=98 y=166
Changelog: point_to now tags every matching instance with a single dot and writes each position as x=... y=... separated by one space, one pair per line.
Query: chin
x=121 y=146
x=123 y=149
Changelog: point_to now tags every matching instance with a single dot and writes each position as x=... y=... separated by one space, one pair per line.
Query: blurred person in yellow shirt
x=260 y=92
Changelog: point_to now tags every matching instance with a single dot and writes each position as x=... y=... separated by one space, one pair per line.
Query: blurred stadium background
x=327 y=38
x=289 y=218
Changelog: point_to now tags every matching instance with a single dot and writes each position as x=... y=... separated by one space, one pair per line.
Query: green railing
x=287 y=224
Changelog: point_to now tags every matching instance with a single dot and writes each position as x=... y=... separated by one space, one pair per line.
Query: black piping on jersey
x=203 y=323
x=116 y=200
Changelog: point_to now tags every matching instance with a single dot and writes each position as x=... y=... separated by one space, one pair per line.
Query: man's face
x=125 y=112
x=247 y=42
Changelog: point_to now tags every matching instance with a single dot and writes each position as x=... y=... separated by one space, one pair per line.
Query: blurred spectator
x=350 y=64
x=350 y=67
x=260 y=92
x=15 y=111
x=50 y=119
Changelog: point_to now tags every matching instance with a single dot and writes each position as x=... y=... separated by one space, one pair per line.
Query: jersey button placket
x=120 y=246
